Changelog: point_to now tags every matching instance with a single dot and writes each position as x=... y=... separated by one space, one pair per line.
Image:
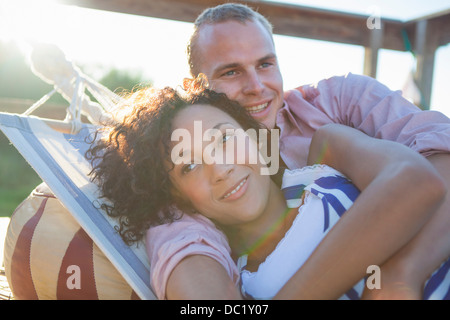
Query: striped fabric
x=42 y=245
x=49 y=238
x=328 y=195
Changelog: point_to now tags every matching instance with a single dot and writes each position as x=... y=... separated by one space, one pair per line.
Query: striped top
x=328 y=194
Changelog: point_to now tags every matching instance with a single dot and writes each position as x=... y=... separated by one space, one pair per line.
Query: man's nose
x=253 y=84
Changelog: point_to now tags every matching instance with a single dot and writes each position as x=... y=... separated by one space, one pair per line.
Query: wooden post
x=371 y=52
x=425 y=48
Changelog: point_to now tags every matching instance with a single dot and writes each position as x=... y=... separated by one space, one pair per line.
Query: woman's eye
x=225 y=138
x=188 y=168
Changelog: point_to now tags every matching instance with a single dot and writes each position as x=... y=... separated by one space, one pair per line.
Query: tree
x=16 y=78
x=18 y=81
x=122 y=80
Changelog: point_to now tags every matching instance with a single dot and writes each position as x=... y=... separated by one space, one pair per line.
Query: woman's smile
x=221 y=191
x=236 y=191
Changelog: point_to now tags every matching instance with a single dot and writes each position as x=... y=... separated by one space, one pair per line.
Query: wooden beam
x=179 y=10
x=291 y=20
x=442 y=26
x=440 y=21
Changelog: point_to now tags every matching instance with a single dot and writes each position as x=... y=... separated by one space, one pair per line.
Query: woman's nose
x=221 y=172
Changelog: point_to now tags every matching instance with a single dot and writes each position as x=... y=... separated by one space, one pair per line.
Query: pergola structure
x=422 y=36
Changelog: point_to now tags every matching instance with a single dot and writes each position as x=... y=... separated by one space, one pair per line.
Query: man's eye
x=229 y=73
x=265 y=65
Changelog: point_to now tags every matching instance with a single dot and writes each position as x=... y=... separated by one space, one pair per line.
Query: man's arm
x=404 y=275
x=400 y=191
x=434 y=239
x=369 y=106
x=366 y=104
x=200 y=277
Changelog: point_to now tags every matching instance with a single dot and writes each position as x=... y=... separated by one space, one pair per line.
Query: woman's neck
x=259 y=238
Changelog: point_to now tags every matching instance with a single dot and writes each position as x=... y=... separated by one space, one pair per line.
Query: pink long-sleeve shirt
x=357 y=101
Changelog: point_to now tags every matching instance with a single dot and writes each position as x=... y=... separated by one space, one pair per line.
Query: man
x=233 y=46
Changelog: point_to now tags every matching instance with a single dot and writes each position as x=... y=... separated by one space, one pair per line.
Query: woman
x=140 y=175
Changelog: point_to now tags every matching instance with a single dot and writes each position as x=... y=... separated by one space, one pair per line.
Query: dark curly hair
x=129 y=159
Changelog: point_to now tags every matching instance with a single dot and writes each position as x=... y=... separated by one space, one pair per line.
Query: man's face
x=239 y=60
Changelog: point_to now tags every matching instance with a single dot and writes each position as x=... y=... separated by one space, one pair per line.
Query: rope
x=407 y=43
x=408 y=47
x=65 y=77
x=97 y=113
x=74 y=111
x=39 y=103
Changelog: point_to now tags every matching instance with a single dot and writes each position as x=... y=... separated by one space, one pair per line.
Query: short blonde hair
x=222 y=13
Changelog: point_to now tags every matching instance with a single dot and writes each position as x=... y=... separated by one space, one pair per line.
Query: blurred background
x=123 y=50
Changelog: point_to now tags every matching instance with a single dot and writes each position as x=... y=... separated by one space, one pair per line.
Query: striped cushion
x=49 y=256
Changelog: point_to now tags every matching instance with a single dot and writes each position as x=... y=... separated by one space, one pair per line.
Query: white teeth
x=257 y=108
x=236 y=189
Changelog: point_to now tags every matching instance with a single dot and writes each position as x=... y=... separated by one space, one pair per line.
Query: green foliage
x=17 y=178
x=18 y=81
x=16 y=78
x=119 y=80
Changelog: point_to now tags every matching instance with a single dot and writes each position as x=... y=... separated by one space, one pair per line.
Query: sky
x=156 y=48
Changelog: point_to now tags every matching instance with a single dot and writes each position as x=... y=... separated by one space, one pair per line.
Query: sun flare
x=31 y=21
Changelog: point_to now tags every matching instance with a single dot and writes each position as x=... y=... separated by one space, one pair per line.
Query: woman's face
x=218 y=176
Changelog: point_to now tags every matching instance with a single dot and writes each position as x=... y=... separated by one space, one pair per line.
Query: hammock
x=58 y=158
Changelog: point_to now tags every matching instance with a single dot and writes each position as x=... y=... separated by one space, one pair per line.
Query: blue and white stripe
x=59 y=160
x=327 y=196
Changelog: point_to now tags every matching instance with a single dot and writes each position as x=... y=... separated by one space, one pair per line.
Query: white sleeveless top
x=328 y=194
